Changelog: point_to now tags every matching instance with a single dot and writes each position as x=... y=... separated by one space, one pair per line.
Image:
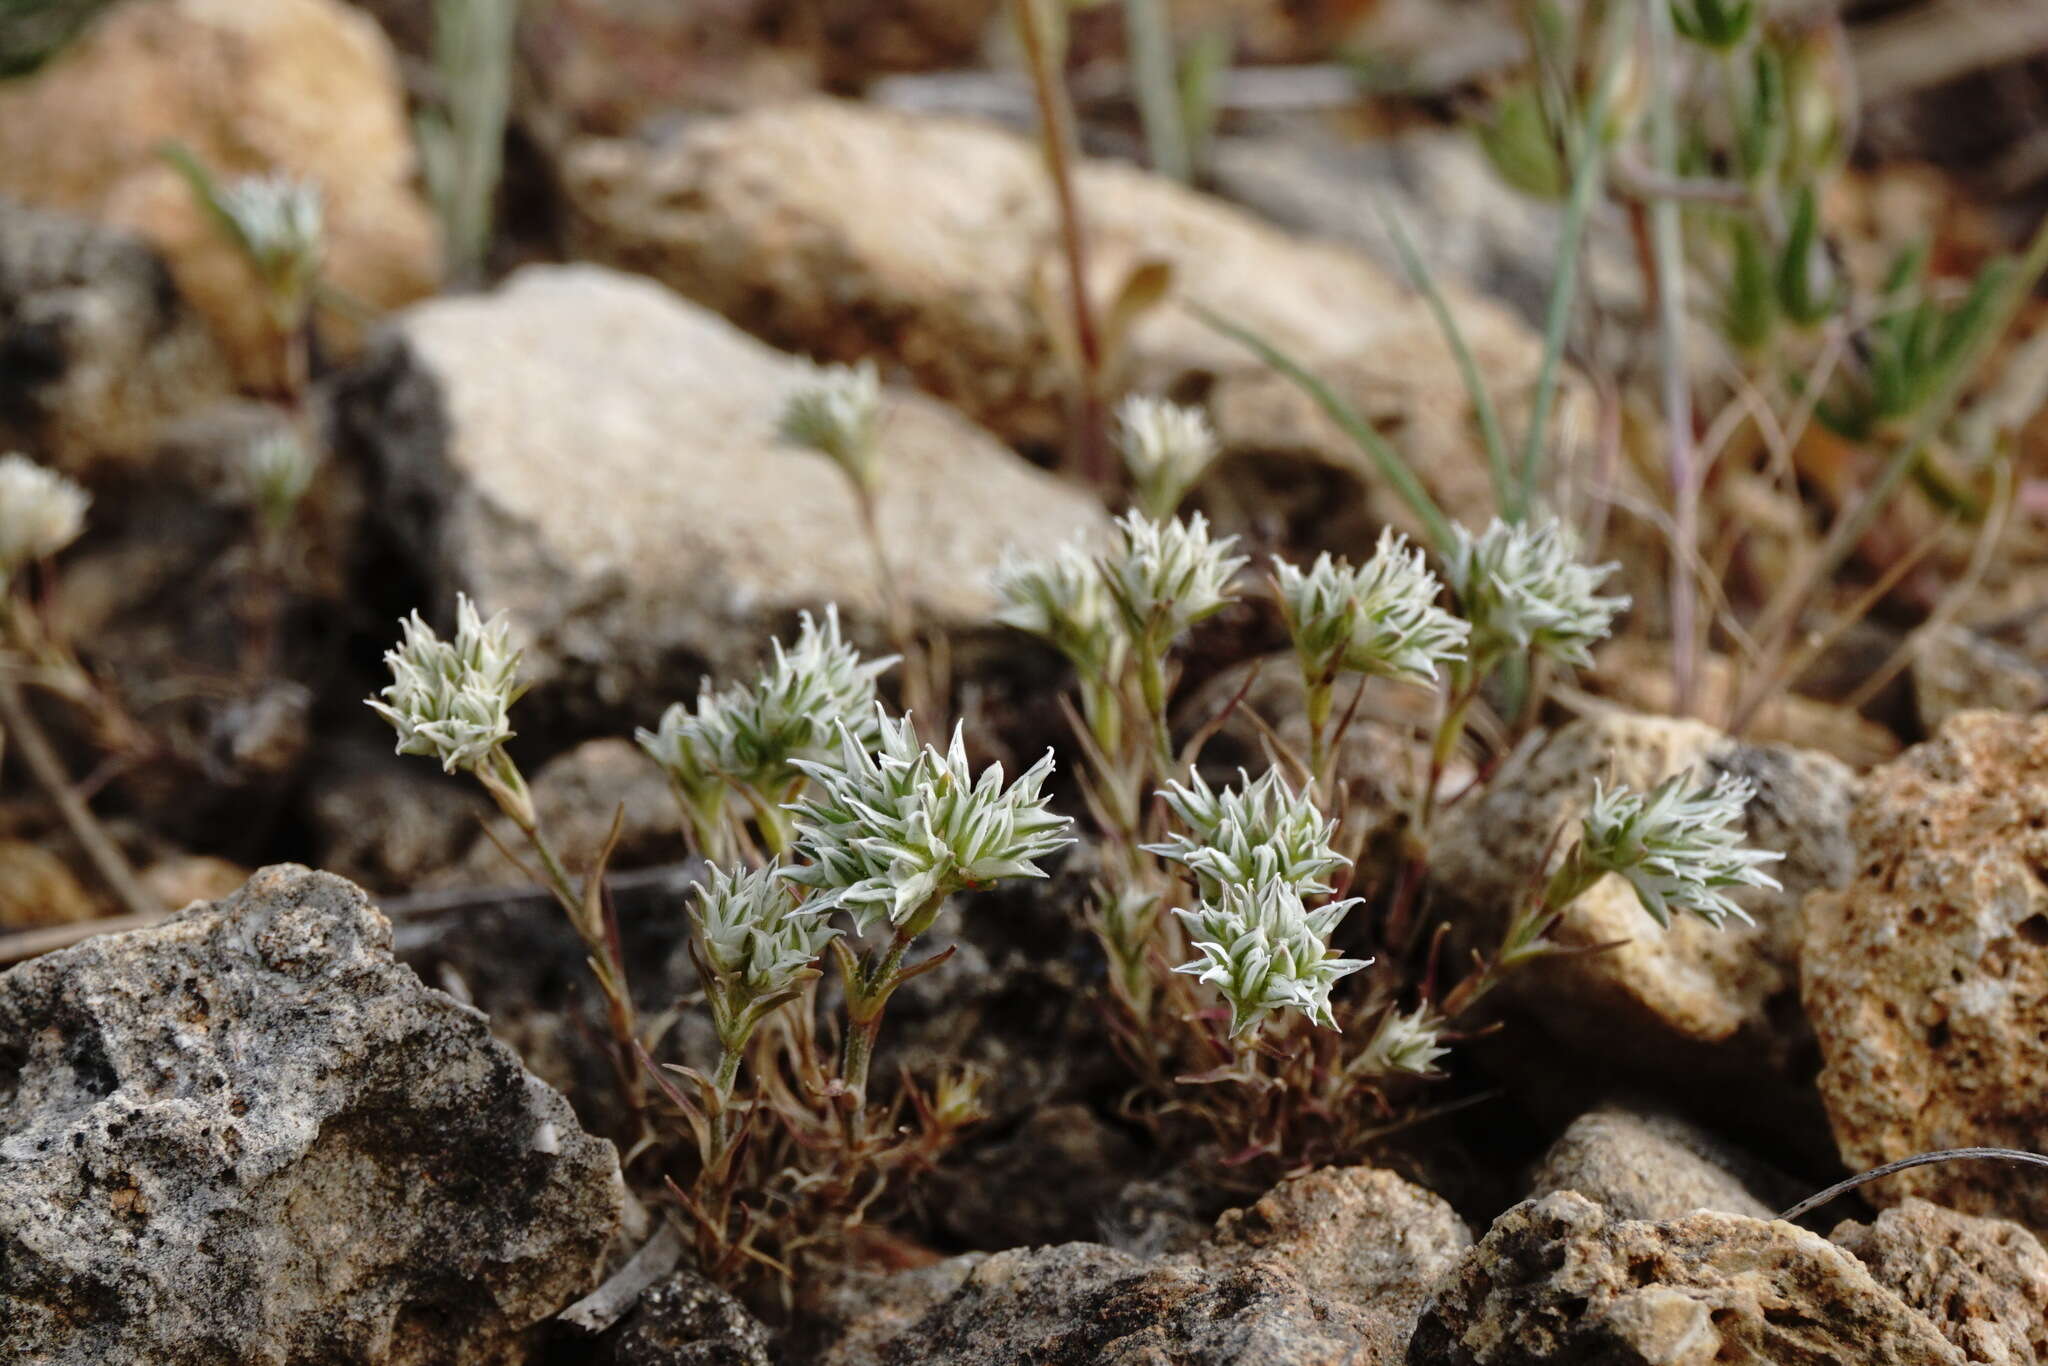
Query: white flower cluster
x=1522 y=588
x=281 y=222
x=1263 y=831
x=1405 y=1042
x=838 y=414
x=755 y=733
x=1062 y=600
x=277 y=469
x=41 y=512
x=1166 y=447
x=1167 y=575
x=1265 y=951
x=893 y=828
x=1380 y=618
x=757 y=937
x=451 y=699
x=1679 y=850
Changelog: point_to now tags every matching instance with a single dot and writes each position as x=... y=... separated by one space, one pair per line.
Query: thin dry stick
x=1056 y=136
x=1667 y=255
x=1813 y=1202
x=48 y=771
x=1952 y=601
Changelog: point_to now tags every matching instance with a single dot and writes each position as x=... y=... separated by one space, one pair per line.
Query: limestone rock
x=873 y=1310
x=307 y=87
x=1957 y=668
x=1329 y=1268
x=1080 y=1304
x=1671 y=1006
x=38 y=888
x=247 y=1134
x=843 y=231
x=1637 y=675
x=1646 y=1164
x=1558 y=1280
x=97 y=346
x=1356 y=1235
x=1927 y=976
x=1983 y=1282
x=599 y=457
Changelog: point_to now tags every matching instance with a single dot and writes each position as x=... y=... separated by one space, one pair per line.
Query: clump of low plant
x=833 y=830
x=1243 y=992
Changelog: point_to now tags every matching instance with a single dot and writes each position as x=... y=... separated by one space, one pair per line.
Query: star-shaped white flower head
x=1406 y=1042
x=838 y=414
x=277 y=469
x=41 y=512
x=1380 y=618
x=1166 y=447
x=755 y=733
x=1262 y=831
x=1165 y=576
x=280 y=224
x=1266 y=951
x=891 y=829
x=1522 y=588
x=451 y=699
x=756 y=932
x=1062 y=601
x=1680 y=850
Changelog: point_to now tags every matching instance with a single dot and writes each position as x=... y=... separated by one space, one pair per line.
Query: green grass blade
x=1385 y=458
x=1586 y=178
x=1512 y=508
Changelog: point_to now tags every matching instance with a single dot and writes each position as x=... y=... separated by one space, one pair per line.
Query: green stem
x=1152 y=684
x=1149 y=35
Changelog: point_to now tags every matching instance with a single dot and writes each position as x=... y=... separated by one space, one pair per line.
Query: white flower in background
x=1166 y=448
x=41 y=512
x=756 y=732
x=1523 y=588
x=838 y=414
x=1167 y=575
x=1262 y=831
x=756 y=932
x=1681 y=851
x=280 y=223
x=1265 y=951
x=451 y=699
x=277 y=469
x=1404 y=1043
x=1380 y=618
x=1062 y=601
x=892 y=829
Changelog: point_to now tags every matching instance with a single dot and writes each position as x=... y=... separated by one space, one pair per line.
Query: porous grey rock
x=1647 y=1164
x=97 y=346
x=1982 y=1282
x=247 y=1134
x=1664 y=1008
x=600 y=458
x=1328 y=1268
x=1560 y=1280
x=1927 y=976
x=843 y=230
x=1080 y=1304
x=1361 y=1236
x=1957 y=668
x=688 y=1321
x=870 y=1310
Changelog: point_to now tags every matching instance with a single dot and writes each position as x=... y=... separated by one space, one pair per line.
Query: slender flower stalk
x=1163 y=577
x=839 y=415
x=889 y=832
